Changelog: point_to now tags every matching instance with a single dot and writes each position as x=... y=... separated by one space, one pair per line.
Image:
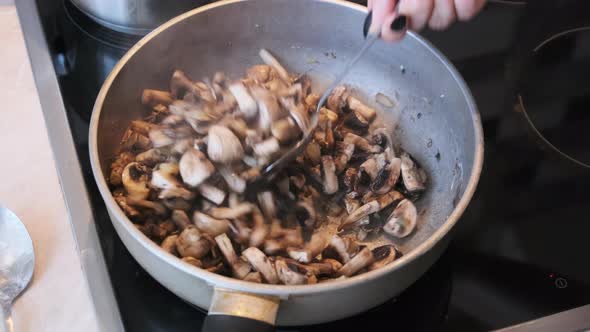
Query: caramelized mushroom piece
x=233 y=212
x=387 y=177
x=211 y=193
x=254 y=277
x=246 y=103
x=234 y=181
x=152 y=97
x=169 y=244
x=413 y=177
x=260 y=229
x=262 y=264
x=329 y=172
x=192 y=243
x=318 y=242
x=118 y=166
x=180 y=219
x=210 y=225
x=402 y=220
x=383 y=255
x=192 y=261
x=240 y=269
x=135 y=180
x=289 y=274
x=285 y=130
x=361 y=260
x=357 y=106
x=223 y=146
x=371 y=207
x=270 y=60
x=337 y=99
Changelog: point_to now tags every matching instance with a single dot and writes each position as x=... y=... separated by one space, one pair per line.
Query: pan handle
x=232 y=311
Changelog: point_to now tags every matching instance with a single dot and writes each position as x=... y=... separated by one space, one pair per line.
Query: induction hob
x=518 y=252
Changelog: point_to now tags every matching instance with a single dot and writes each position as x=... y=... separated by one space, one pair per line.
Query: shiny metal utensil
x=269 y=171
x=17 y=261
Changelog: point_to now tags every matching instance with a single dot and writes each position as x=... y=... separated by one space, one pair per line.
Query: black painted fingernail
x=367 y=23
x=399 y=24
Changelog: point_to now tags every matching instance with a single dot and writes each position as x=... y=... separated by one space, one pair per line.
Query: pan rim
x=281 y=291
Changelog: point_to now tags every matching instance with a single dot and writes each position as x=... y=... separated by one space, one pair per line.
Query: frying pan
x=434 y=118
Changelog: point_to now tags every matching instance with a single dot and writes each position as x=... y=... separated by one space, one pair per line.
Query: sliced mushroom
x=338 y=247
x=344 y=153
x=312 y=101
x=177 y=204
x=373 y=166
x=387 y=177
x=152 y=157
x=135 y=180
x=383 y=255
x=180 y=83
x=240 y=269
x=195 y=167
x=330 y=180
x=192 y=261
x=300 y=115
x=223 y=146
x=270 y=60
x=313 y=153
x=334 y=266
x=361 y=260
x=305 y=214
x=211 y=193
x=289 y=274
x=269 y=109
x=181 y=219
x=246 y=103
x=371 y=207
x=402 y=220
x=318 y=242
x=273 y=247
x=254 y=277
x=350 y=179
x=266 y=148
x=412 y=176
x=266 y=201
x=297 y=180
x=192 y=243
x=121 y=200
x=210 y=225
x=159 y=138
x=157 y=207
x=152 y=97
x=357 y=121
x=118 y=166
x=164 y=177
x=234 y=212
x=169 y=244
x=260 y=229
x=259 y=73
x=361 y=143
x=233 y=180
x=240 y=231
x=285 y=130
x=337 y=99
x=262 y=264
x=358 y=107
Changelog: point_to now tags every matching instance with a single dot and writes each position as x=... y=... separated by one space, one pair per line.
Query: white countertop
x=58 y=298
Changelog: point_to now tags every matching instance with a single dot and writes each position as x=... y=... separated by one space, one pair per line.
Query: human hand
x=393 y=17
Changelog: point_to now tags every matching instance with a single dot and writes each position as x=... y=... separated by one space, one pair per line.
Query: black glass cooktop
x=519 y=250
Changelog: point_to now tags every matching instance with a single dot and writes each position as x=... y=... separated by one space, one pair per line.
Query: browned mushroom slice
x=152 y=97
x=269 y=109
x=311 y=100
x=289 y=274
x=262 y=264
x=210 y=225
x=387 y=177
x=285 y=130
x=157 y=207
x=230 y=212
x=371 y=207
x=192 y=261
x=313 y=153
x=337 y=99
x=135 y=180
x=164 y=177
x=356 y=121
x=181 y=219
x=413 y=177
x=180 y=84
x=338 y=248
x=121 y=200
x=298 y=180
x=246 y=103
x=273 y=247
x=159 y=138
x=195 y=167
x=373 y=165
x=345 y=150
x=318 y=242
x=305 y=214
x=152 y=157
x=260 y=229
x=299 y=114
x=259 y=73
x=330 y=180
x=211 y=193
x=118 y=166
x=383 y=255
x=254 y=277
x=270 y=60
x=240 y=269
x=334 y=266
x=169 y=244
x=350 y=179
x=402 y=220
x=192 y=243
x=361 y=143
x=358 y=107
x=240 y=231
x=361 y=260
x=223 y=146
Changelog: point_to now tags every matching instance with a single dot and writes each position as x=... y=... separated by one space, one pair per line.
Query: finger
x=382 y=9
x=394 y=27
x=466 y=9
x=417 y=11
x=443 y=14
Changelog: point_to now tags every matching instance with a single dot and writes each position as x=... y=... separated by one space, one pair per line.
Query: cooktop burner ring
x=527 y=114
